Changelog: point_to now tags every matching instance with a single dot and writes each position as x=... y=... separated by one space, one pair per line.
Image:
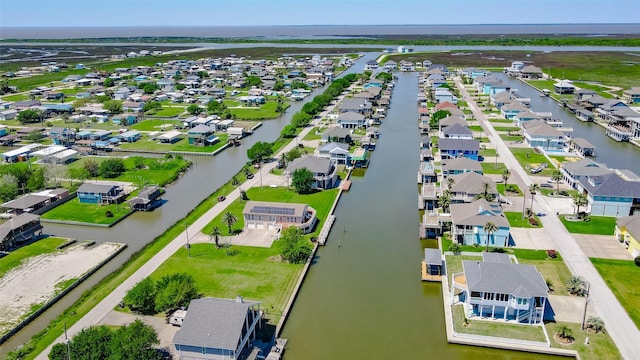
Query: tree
x=455 y=248
x=142 y=297
x=485 y=194
x=229 y=219
x=556 y=176
x=533 y=189
x=150 y=88
x=293 y=246
x=253 y=81
x=8 y=188
x=445 y=200
x=109 y=82
x=302 y=180
x=180 y=87
x=505 y=177
x=564 y=332
x=311 y=108
x=194 y=109
x=111 y=168
x=450 y=182
x=34 y=135
x=301 y=119
x=260 y=151
x=292 y=155
x=92 y=343
x=92 y=167
x=595 y=323
x=174 y=291
x=215 y=233
x=575 y=286
x=289 y=131
x=152 y=105
x=437 y=116
x=29 y=116
x=579 y=200
x=37 y=180
x=235 y=181
x=134 y=341
x=489 y=228
x=114 y=106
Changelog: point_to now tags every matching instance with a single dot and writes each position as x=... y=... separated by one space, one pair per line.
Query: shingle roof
x=632 y=223
x=522 y=281
x=95 y=188
x=459 y=144
x=314 y=164
x=457 y=129
x=462 y=163
x=611 y=185
x=478 y=213
x=432 y=256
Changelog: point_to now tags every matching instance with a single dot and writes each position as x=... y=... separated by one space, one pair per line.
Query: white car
x=551 y=181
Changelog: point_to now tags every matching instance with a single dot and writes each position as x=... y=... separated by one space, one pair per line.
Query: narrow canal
x=614 y=154
x=363 y=298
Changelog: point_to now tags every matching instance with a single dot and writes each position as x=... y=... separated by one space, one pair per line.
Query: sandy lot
x=34 y=281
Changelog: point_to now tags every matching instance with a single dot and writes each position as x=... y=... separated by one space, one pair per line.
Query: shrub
x=552 y=253
x=498 y=250
x=564 y=332
x=456 y=249
x=549 y=284
x=637 y=260
x=596 y=324
x=534 y=222
x=108 y=214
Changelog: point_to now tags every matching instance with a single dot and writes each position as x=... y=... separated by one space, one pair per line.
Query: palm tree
x=445 y=200
x=450 y=182
x=564 y=332
x=505 y=176
x=596 y=324
x=489 y=228
x=557 y=177
x=216 y=232
x=235 y=181
x=579 y=200
x=533 y=189
x=230 y=219
x=485 y=194
x=548 y=140
x=575 y=286
x=283 y=160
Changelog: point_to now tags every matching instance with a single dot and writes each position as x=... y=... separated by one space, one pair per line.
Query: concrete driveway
x=248 y=237
x=531 y=239
x=569 y=308
x=602 y=246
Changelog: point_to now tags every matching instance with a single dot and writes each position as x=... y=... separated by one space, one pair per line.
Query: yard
x=487 y=328
x=515 y=220
x=155 y=125
x=622 y=278
x=597 y=225
x=266 y=111
x=600 y=345
x=529 y=159
x=254 y=273
x=166 y=111
x=183 y=145
x=73 y=210
x=313 y=134
x=492 y=167
x=16 y=257
x=514 y=189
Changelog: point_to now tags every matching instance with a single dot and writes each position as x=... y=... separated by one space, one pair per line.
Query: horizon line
x=322 y=25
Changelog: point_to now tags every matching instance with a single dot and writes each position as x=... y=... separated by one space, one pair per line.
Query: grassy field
x=529 y=159
x=254 y=273
x=510 y=139
x=516 y=220
x=183 y=145
x=622 y=278
x=74 y=210
x=490 y=167
x=598 y=225
x=488 y=153
x=600 y=345
x=595 y=87
x=313 y=135
x=266 y=111
x=157 y=171
x=501 y=189
x=154 y=125
x=168 y=111
x=500 y=121
x=554 y=270
x=486 y=328
x=16 y=257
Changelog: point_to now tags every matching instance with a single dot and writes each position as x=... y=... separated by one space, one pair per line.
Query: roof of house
x=514 y=105
x=528 y=114
x=336 y=131
x=537 y=128
x=631 y=223
x=585 y=167
x=495 y=257
x=432 y=256
x=452 y=120
x=95 y=188
x=447 y=144
x=611 y=185
x=531 y=69
x=471 y=183
x=16 y=222
x=582 y=143
x=331 y=146
x=355 y=103
x=201 y=129
x=522 y=281
x=311 y=163
x=633 y=91
x=26 y=201
x=274 y=208
x=213 y=323
x=350 y=116
x=457 y=129
x=461 y=163
x=478 y=213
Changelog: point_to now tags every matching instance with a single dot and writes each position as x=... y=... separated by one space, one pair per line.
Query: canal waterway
x=363 y=297
x=616 y=155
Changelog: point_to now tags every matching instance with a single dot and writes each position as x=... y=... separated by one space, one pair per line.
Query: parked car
x=551 y=181
x=222 y=198
x=546 y=186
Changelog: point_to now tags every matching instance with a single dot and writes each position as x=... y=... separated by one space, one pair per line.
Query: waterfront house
x=90 y=193
x=336 y=152
x=628 y=233
x=585 y=115
x=337 y=134
x=35 y=201
x=442 y=95
x=351 y=120
x=18 y=230
x=62 y=136
x=453 y=148
x=275 y=215
x=452 y=120
x=216 y=329
x=496 y=288
x=564 y=87
x=460 y=166
x=468 y=221
x=539 y=134
x=510 y=110
x=632 y=95
x=432 y=264
x=456 y=131
x=528 y=115
x=391 y=65
x=147 y=199
x=371 y=65
x=129 y=136
x=436 y=80
x=583 y=95
x=202 y=135
x=425 y=142
x=324 y=171
x=611 y=194
x=427 y=173
x=357 y=105
x=582 y=147
x=170 y=137
x=467 y=186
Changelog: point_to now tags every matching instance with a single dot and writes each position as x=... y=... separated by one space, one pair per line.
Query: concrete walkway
x=619 y=325
x=103 y=308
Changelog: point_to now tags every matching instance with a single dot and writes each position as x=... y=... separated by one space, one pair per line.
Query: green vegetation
x=622 y=278
x=516 y=220
x=74 y=210
x=492 y=167
x=487 y=153
x=512 y=331
x=158 y=171
x=511 y=189
x=530 y=159
x=266 y=111
x=314 y=134
x=154 y=124
x=597 y=225
x=170 y=292
x=600 y=344
x=40 y=247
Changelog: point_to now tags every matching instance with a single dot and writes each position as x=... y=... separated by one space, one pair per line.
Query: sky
x=125 y=13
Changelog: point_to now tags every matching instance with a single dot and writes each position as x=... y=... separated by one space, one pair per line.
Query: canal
x=205 y=176
x=362 y=297
x=616 y=155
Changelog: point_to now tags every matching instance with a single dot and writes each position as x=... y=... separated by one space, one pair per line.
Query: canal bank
x=362 y=297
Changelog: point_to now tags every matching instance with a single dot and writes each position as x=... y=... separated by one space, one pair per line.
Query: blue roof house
x=453 y=148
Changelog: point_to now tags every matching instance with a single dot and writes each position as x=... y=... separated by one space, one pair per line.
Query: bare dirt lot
x=37 y=279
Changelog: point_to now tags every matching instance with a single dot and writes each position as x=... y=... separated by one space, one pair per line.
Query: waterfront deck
x=428 y=277
x=346 y=185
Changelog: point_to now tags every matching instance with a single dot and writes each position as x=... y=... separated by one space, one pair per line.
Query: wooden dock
x=346 y=185
x=428 y=277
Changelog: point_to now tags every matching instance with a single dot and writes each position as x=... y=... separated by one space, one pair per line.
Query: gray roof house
x=460 y=166
x=361 y=106
x=499 y=289
x=456 y=131
x=611 y=195
x=468 y=185
x=574 y=171
x=324 y=170
x=18 y=230
x=217 y=328
x=351 y=120
x=337 y=134
x=469 y=219
x=337 y=152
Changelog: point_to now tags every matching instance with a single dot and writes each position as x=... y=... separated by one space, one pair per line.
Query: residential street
x=618 y=323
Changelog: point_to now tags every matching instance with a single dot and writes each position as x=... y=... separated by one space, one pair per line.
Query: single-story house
x=215 y=329
x=34 y=201
x=324 y=170
x=564 y=87
x=170 y=137
x=275 y=215
x=89 y=193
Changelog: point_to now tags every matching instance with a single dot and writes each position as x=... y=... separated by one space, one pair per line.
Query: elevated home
x=324 y=171
x=35 y=201
x=361 y=106
x=510 y=110
x=170 y=137
x=427 y=173
x=442 y=95
x=531 y=72
x=628 y=233
x=528 y=115
x=351 y=120
x=371 y=65
x=18 y=230
x=585 y=115
x=202 y=135
x=336 y=152
x=89 y=193
x=582 y=147
x=460 y=166
x=496 y=288
x=539 y=134
x=62 y=136
x=216 y=329
x=469 y=219
x=611 y=195
x=337 y=134
x=147 y=199
x=632 y=95
x=583 y=95
x=564 y=87
x=467 y=186
x=456 y=131
x=453 y=148
x=452 y=120
x=391 y=65
x=274 y=215
x=436 y=80
x=426 y=155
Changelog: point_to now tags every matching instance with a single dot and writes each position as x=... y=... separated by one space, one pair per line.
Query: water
x=363 y=297
x=614 y=154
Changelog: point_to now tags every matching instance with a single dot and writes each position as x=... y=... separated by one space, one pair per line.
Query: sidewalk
x=619 y=326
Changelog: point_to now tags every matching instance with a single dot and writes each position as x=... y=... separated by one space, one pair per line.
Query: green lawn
x=73 y=210
x=321 y=201
x=510 y=139
x=154 y=125
x=600 y=345
x=505 y=128
x=183 y=145
x=595 y=87
x=488 y=153
x=516 y=220
x=454 y=262
x=266 y=111
x=598 y=225
x=16 y=257
x=486 y=328
x=500 y=121
x=501 y=189
x=313 y=135
x=168 y=111
x=622 y=278
x=250 y=272
x=476 y=128
x=554 y=270
x=529 y=159
x=489 y=167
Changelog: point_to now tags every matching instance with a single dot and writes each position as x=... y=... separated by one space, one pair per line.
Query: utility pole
x=586 y=302
x=66 y=340
x=524 y=201
x=186 y=233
